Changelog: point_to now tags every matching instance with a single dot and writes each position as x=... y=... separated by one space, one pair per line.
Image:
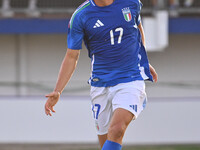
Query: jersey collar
x=92 y=2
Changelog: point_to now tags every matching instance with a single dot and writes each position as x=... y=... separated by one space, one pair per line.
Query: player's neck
x=103 y=3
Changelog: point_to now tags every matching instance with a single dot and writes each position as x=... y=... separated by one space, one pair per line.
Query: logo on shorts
x=97 y=126
x=134 y=107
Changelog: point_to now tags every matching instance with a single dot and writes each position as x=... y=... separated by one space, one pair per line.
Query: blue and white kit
x=118 y=57
x=113 y=41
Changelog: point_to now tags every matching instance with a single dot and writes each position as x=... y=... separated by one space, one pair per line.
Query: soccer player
x=113 y=34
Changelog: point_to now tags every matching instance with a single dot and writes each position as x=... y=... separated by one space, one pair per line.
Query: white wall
x=41 y=56
x=164 y=121
x=178 y=68
x=41 y=62
x=169 y=118
x=7 y=62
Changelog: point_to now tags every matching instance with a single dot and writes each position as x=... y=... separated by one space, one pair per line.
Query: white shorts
x=105 y=100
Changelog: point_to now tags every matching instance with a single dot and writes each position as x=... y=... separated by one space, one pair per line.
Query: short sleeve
x=138 y=20
x=138 y=17
x=136 y=6
x=75 y=32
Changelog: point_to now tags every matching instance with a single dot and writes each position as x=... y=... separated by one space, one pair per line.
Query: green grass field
x=91 y=147
x=177 y=147
x=183 y=147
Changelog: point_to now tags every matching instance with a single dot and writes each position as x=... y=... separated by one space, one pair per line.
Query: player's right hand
x=51 y=102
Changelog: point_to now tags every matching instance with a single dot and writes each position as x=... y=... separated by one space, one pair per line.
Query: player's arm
x=66 y=70
x=152 y=70
x=74 y=44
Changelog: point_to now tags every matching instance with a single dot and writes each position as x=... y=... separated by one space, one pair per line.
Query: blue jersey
x=113 y=41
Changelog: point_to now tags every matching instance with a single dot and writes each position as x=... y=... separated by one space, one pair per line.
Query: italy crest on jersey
x=127 y=14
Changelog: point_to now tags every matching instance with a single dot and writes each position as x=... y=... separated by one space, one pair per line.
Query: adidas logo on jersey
x=98 y=24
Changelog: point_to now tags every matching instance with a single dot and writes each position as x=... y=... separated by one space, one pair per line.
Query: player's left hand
x=153 y=73
x=51 y=102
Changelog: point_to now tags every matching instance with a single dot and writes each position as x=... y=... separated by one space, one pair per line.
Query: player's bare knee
x=116 y=131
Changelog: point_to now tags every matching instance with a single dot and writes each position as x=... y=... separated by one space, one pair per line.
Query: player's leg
x=118 y=125
x=102 y=112
x=128 y=102
x=102 y=139
x=119 y=122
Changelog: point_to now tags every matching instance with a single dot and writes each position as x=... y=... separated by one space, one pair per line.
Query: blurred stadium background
x=32 y=45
